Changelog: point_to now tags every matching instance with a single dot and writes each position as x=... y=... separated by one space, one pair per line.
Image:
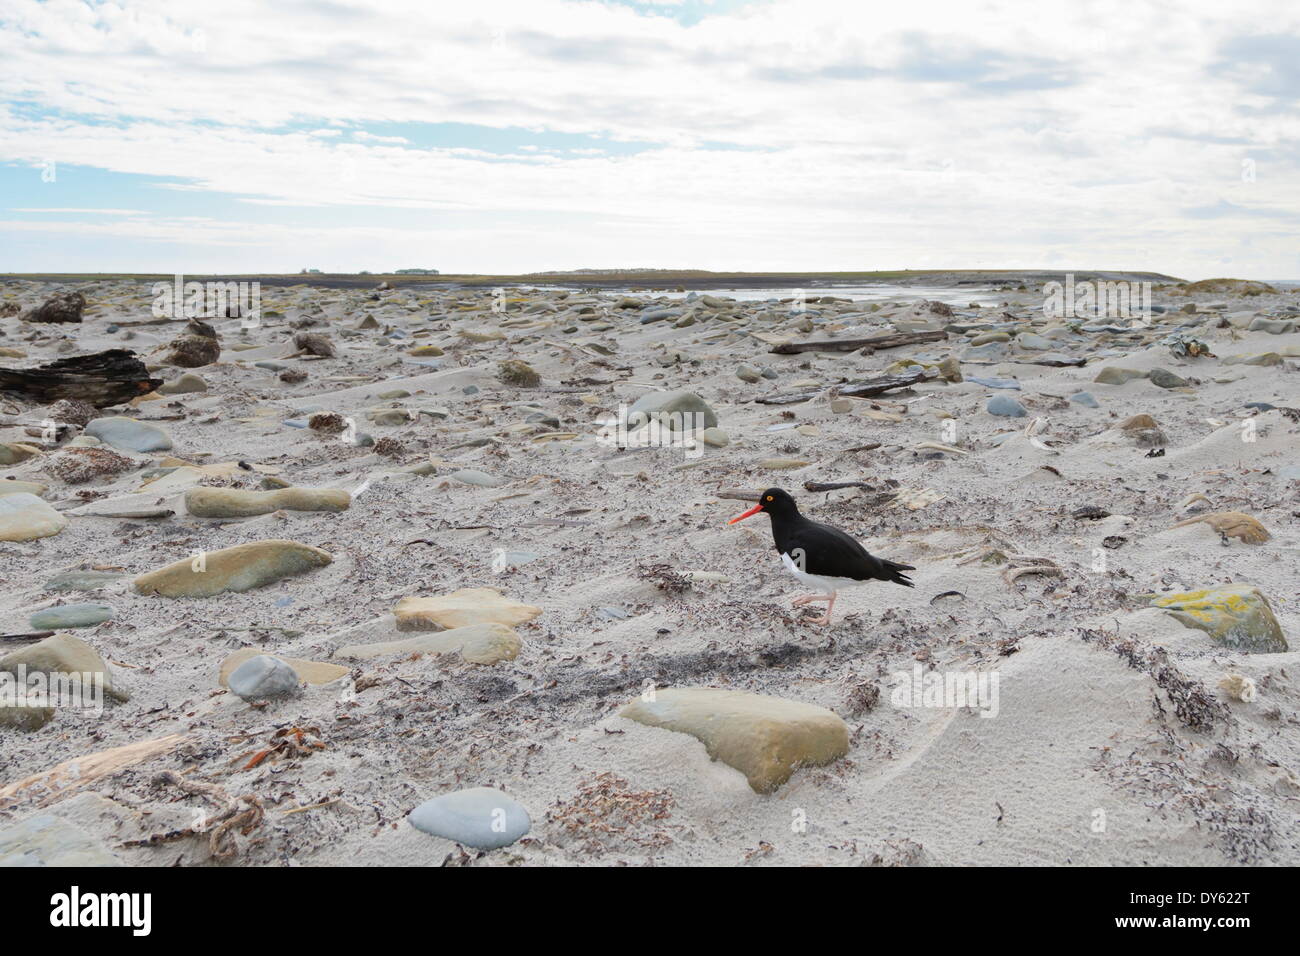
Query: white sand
x=1078 y=767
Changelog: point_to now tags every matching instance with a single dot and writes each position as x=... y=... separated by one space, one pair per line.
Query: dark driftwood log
x=864 y=389
x=102 y=379
x=867 y=345
x=835 y=485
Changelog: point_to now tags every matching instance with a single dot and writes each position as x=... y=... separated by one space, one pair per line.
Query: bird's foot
x=830 y=606
x=806 y=599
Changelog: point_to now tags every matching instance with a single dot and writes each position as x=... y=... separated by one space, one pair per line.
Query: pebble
x=460 y=608
x=11 y=453
x=185 y=384
x=995 y=382
x=11 y=486
x=1114 y=375
x=481 y=817
x=1235 y=615
x=240 y=568
x=128 y=434
x=82 y=581
x=1167 y=379
x=670 y=408
x=264 y=677
x=1085 y=399
x=70 y=615
x=468 y=476
x=24 y=517
x=1005 y=405
x=765 y=738
x=486 y=643
x=240 y=503
x=309 y=672
x=63 y=654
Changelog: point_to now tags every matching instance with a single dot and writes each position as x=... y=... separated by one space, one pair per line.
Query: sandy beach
x=1108 y=730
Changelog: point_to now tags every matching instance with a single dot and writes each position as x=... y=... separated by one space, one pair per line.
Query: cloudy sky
x=520 y=136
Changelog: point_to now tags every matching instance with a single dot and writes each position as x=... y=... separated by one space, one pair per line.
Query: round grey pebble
x=481 y=817
x=264 y=677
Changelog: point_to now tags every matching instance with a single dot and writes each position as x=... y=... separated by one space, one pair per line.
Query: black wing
x=828 y=551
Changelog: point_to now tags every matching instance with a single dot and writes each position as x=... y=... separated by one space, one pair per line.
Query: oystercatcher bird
x=821 y=556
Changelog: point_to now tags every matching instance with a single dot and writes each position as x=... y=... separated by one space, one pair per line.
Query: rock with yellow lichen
x=1236 y=615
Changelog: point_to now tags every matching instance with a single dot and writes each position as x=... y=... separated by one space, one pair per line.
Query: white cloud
x=810 y=134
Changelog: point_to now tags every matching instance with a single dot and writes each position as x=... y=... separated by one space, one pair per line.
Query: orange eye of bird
x=769 y=497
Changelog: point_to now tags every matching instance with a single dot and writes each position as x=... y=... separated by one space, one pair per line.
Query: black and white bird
x=819 y=555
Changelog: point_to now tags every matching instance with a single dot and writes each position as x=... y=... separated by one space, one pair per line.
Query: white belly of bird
x=818 y=582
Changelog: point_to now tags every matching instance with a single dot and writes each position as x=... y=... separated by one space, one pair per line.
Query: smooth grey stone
x=670 y=408
x=993 y=352
x=1085 y=399
x=263 y=677
x=1029 y=340
x=271 y=366
x=543 y=418
x=481 y=817
x=483 y=480
x=1271 y=326
x=995 y=382
x=1167 y=379
x=70 y=615
x=613 y=613
x=1007 y=406
x=82 y=580
x=128 y=434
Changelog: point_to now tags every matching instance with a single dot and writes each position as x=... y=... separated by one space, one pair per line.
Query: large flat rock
x=241 y=568
x=460 y=609
x=476 y=643
x=765 y=738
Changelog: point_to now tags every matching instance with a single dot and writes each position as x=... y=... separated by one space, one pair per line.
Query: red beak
x=752 y=511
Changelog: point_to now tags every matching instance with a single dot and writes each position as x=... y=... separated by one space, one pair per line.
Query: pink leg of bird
x=826 y=618
x=808 y=599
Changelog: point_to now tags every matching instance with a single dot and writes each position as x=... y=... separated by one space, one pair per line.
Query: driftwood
x=102 y=379
x=867 y=345
x=30 y=636
x=835 y=485
x=863 y=389
x=737 y=494
x=1053 y=362
x=72 y=775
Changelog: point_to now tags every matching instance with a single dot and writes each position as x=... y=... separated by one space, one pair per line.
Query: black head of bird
x=776 y=502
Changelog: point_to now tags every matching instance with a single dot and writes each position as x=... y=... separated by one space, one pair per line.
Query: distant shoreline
x=666 y=281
